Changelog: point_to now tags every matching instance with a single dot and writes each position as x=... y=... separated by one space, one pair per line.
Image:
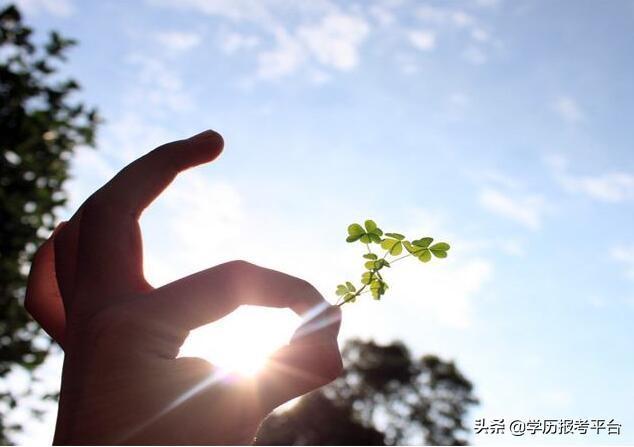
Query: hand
x=122 y=382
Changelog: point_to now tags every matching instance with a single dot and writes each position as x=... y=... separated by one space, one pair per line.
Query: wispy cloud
x=232 y=42
x=178 y=40
x=615 y=186
x=568 y=109
x=526 y=210
x=423 y=40
x=284 y=59
x=158 y=84
x=335 y=40
x=444 y=19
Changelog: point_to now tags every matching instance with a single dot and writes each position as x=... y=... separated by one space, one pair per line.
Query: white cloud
x=232 y=42
x=449 y=291
x=625 y=255
x=441 y=16
x=443 y=291
x=60 y=8
x=325 y=35
x=250 y=10
x=158 y=84
x=612 y=187
x=526 y=210
x=284 y=59
x=446 y=19
x=335 y=41
x=568 y=109
x=423 y=40
x=178 y=40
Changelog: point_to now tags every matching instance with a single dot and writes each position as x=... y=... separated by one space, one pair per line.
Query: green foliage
x=40 y=128
x=371 y=233
x=385 y=396
x=392 y=245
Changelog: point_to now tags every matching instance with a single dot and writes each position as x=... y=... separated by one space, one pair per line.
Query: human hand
x=121 y=381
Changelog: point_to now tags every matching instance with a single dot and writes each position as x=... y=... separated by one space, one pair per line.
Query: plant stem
x=398 y=259
x=356 y=294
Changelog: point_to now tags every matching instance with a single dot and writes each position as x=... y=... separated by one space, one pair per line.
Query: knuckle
x=239 y=268
x=195 y=365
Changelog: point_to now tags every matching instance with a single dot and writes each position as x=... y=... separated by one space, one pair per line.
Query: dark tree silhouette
x=40 y=128
x=384 y=397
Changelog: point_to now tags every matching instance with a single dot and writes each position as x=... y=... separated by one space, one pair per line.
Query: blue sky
x=503 y=127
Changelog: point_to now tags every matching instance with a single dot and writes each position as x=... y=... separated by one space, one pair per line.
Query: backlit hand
x=122 y=381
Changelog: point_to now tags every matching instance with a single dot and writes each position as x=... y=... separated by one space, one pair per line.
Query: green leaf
x=366 y=238
x=411 y=248
x=374 y=237
x=370 y=226
x=350 y=298
x=398 y=236
x=350 y=286
x=423 y=242
x=366 y=278
x=370 y=256
x=393 y=246
x=387 y=244
x=356 y=230
x=440 y=249
x=378 y=288
x=352 y=238
x=440 y=246
x=341 y=290
x=425 y=255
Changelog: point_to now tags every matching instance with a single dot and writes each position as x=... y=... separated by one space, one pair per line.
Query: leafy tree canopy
x=385 y=397
x=41 y=126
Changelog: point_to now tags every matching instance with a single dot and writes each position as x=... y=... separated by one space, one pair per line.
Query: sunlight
x=242 y=341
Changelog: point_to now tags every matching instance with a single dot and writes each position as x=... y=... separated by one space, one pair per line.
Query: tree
x=41 y=126
x=384 y=397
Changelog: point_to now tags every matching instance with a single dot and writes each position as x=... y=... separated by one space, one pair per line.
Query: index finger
x=211 y=294
x=139 y=183
x=110 y=244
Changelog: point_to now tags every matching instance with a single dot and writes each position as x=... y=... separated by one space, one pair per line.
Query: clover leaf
x=393 y=244
x=371 y=233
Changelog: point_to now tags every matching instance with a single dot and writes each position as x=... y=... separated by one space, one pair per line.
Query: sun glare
x=242 y=341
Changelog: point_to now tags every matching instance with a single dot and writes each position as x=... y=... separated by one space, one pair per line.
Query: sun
x=242 y=341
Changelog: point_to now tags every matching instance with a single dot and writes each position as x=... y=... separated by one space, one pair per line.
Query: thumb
x=311 y=360
x=43 y=299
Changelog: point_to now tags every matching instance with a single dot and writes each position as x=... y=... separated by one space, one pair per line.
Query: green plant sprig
x=393 y=245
